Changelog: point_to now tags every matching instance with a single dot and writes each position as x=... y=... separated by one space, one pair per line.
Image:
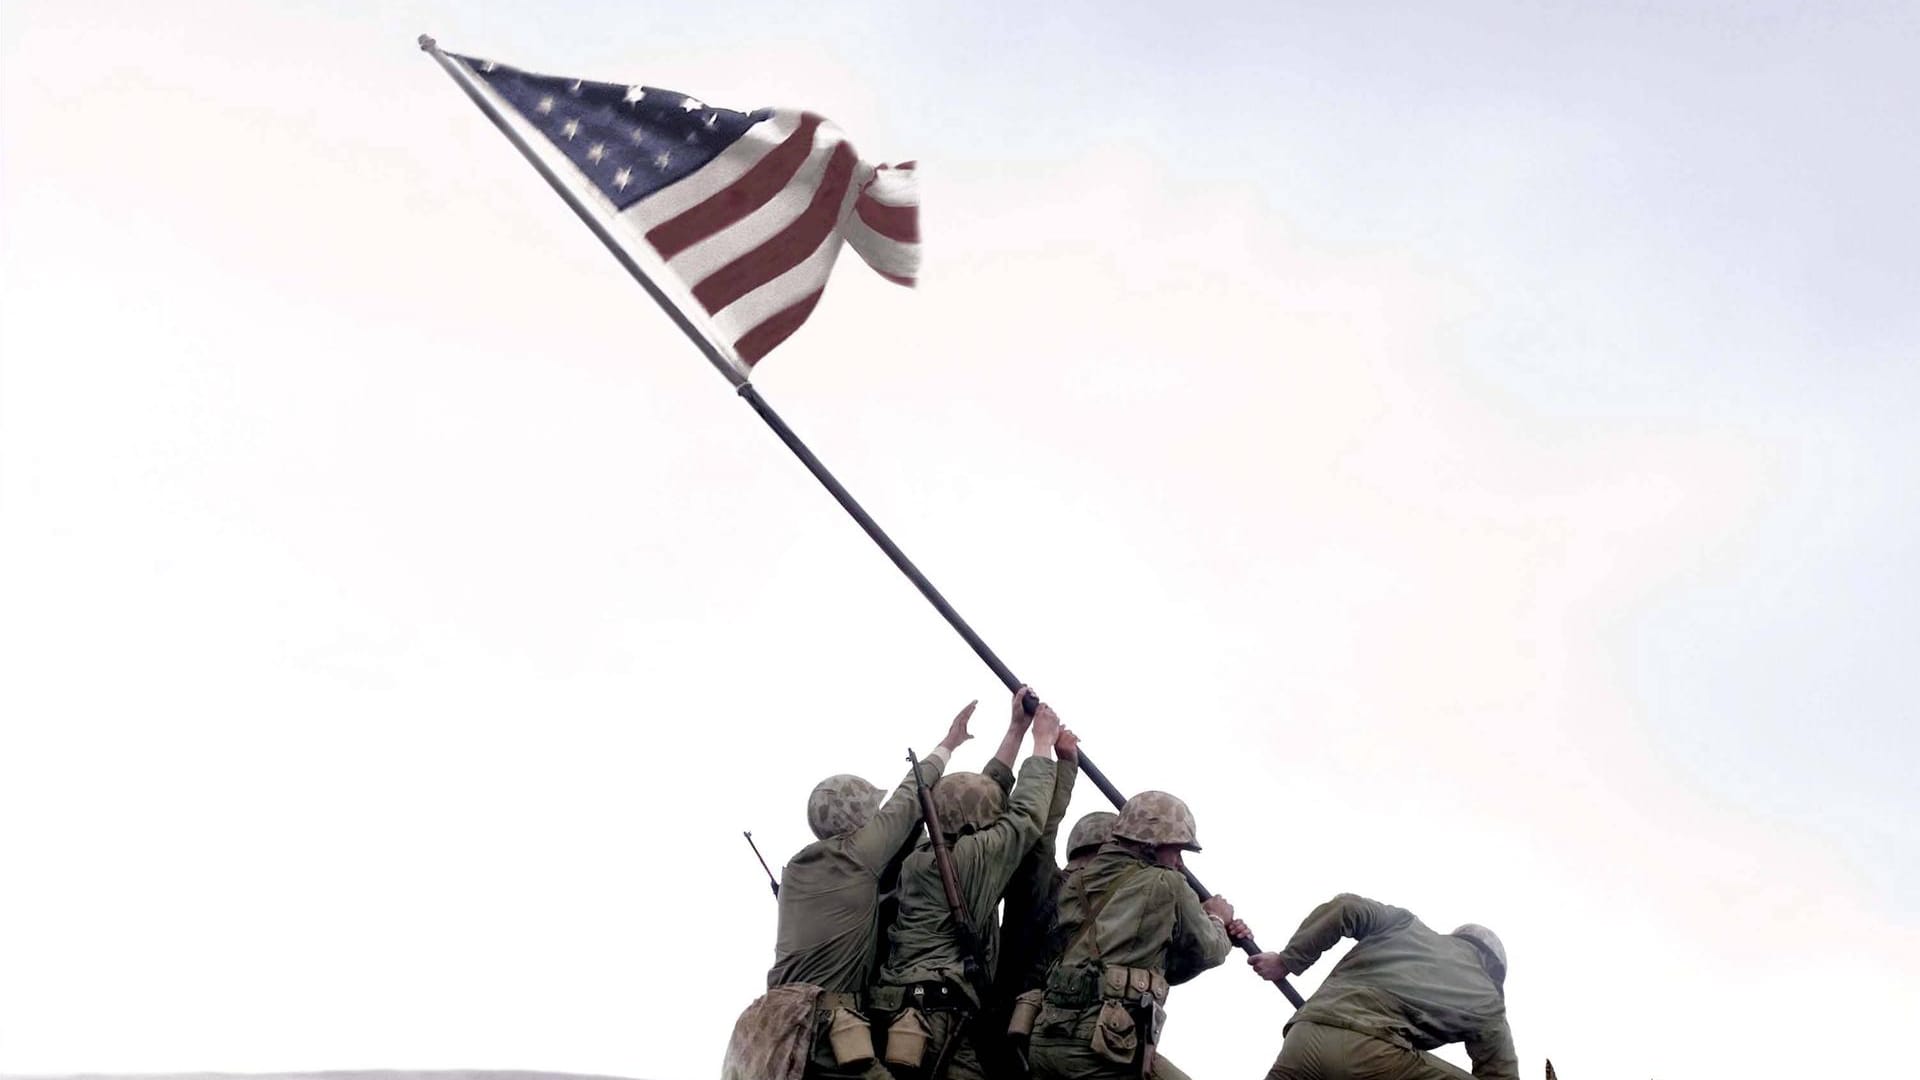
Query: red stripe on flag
x=898 y=223
x=787 y=248
x=897 y=279
x=760 y=340
x=767 y=178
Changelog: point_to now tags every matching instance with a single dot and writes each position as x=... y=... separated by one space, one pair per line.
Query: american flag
x=747 y=210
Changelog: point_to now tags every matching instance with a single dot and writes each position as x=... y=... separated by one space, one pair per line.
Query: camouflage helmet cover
x=1155 y=817
x=1489 y=945
x=1090 y=832
x=840 y=804
x=966 y=801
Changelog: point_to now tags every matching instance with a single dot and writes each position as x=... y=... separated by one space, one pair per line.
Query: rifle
x=973 y=951
x=763 y=863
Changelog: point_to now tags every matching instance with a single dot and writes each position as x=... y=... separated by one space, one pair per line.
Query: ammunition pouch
x=1132 y=1014
x=1116 y=1035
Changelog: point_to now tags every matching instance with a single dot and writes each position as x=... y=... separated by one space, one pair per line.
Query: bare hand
x=1022 y=719
x=1217 y=905
x=957 y=731
x=1046 y=726
x=1238 y=931
x=1066 y=745
x=1268 y=966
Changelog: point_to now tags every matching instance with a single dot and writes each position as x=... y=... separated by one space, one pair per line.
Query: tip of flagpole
x=427 y=44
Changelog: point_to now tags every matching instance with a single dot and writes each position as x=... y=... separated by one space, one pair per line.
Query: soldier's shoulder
x=1153 y=876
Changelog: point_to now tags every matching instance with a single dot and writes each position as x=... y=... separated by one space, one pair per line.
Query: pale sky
x=1467 y=454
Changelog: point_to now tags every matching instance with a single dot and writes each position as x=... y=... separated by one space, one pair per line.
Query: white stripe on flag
x=807 y=277
x=703 y=258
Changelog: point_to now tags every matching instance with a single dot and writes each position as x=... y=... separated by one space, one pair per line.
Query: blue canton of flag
x=631 y=141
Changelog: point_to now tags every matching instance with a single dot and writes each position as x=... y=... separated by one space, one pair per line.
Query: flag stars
x=692 y=104
x=622 y=178
x=635 y=95
x=570 y=128
x=596 y=152
x=639 y=136
x=710 y=120
x=545 y=106
x=663 y=159
x=575 y=88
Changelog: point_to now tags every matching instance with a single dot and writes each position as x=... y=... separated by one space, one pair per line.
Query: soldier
x=1031 y=899
x=1132 y=926
x=810 y=1021
x=1404 y=989
x=925 y=980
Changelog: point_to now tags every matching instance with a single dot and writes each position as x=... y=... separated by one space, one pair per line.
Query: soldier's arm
x=1065 y=771
x=1000 y=768
x=1001 y=773
x=1199 y=941
x=1345 y=915
x=988 y=858
x=876 y=844
x=882 y=837
x=1491 y=1051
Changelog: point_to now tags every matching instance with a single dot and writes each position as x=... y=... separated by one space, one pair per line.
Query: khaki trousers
x=1319 y=1052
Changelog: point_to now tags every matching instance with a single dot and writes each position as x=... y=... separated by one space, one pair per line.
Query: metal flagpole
x=730 y=368
x=892 y=550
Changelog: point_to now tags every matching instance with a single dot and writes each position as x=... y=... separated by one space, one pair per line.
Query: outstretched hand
x=957 y=731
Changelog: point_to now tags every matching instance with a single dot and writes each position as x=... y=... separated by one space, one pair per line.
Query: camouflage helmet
x=841 y=804
x=1491 y=950
x=1089 y=832
x=966 y=801
x=1155 y=817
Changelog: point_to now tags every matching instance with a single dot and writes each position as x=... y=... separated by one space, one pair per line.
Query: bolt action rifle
x=763 y=863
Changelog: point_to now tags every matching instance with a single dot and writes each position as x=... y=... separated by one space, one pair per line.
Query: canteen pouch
x=1115 y=1036
x=851 y=1037
x=907 y=1039
x=1026 y=1009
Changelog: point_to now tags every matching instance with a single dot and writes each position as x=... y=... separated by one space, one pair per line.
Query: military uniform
x=1132 y=929
x=1402 y=990
x=827 y=944
x=925 y=966
x=1028 y=921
